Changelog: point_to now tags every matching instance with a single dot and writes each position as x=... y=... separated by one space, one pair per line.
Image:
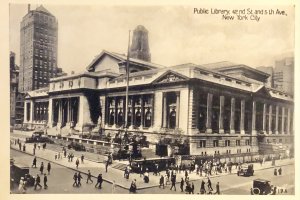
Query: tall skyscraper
x=140 y=47
x=284 y=75
x=38 y=49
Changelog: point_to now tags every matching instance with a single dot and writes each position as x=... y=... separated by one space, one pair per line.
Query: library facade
x=216 y=109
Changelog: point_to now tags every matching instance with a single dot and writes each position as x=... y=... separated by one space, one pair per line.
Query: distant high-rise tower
x=140 y=47
x=38 y=50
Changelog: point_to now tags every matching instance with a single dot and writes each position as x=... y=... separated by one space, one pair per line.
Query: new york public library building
x=221 y=110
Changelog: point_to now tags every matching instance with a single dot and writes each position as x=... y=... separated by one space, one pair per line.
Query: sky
x=176 y=34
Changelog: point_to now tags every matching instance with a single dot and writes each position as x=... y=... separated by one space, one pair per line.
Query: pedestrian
x=37 y=182
x=55 y=156
x=82 y=158
x=275 y=172
x=192 y=188
x=45 y=181
x=181 y=184
x=202 y=187
x=42 y=168
x=75 y=179
x=173 y=182
x=133 y=186
x=49 y=168
x=34 y=145
x=34 y=162
x=24 y=147
x=72 y=156
x=113 y=187
x=22 y=188
x=79 y=177
x=209 y=184
x=279 y=171
x=89 y=177
x=217 y=188
x=20 y=146
x=65 y=152
x=99 y=181
x=77 y=163
x=162 y=182
x=106 y=165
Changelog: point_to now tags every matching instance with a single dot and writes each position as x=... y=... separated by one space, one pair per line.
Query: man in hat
x=45 y=181
x=37 y=182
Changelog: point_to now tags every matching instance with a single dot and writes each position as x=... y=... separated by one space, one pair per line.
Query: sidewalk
x=117 y=175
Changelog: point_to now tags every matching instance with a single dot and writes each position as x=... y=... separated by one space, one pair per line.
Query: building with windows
x=38 y=49
x=223 y=112
x=14 y=75
x=284 y=75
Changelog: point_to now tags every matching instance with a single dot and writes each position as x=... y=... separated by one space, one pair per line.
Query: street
x=61 y=180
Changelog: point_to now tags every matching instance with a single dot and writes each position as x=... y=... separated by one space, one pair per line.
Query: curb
x=139 y=188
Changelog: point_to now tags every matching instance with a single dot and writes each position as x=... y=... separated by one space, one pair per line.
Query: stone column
x=270 y=119
x=288 y=122
x=84 y=116
x=59 y=120
x=116 y=112
x=242 y=121
x=264 y=117
x=209 y=113
x=254 y=118
x=276 y=122
x=25 y=112
x=221 y=116
x=31 y=111
x=177 y=108
x=68 y=123
x=282 y=120
x=232 y=116
x=164 y=120
x=142 y=112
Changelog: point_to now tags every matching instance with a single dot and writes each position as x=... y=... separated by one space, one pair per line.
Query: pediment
x=263 y=91
x=170 y=77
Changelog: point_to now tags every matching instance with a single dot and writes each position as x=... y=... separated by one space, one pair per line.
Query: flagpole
x=127 y=85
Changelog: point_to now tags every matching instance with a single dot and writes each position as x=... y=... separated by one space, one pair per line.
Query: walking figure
x=34 y=162
x=82 y=158
x=79 y=177
x=162 y=182
x=37 y=182
x=89 y=177
x=45 y=181
x=42 y=168
x=209 y=184
x=181 y=184
x=133 y=186
x=202 y=187
x=279 y=171
x=77 y=163
x=99 y=181
x=275 y=172
x=49 y=168
x=75 y=179
x=173 y=181
x=217 y=188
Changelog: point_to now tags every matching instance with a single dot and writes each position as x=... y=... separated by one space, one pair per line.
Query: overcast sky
x=176 y=35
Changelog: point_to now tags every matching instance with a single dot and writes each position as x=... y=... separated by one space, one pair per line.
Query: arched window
x=111 y=118
x=172 y=121
x=138 y=118
x=148 y=118
x=120 y=118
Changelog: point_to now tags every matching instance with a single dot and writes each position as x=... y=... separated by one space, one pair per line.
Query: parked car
x=246 y=170
x=39 y=137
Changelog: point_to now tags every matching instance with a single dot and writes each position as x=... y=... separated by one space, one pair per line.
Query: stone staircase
x=119 y=166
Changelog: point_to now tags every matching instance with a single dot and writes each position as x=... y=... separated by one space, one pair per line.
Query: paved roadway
x=60 y=181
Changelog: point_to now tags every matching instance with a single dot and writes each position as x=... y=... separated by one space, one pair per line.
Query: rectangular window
x=227 y=143
x=202 y=144
x=247 y=142
x=238 y=142
x=216 y=143
x=280 y=140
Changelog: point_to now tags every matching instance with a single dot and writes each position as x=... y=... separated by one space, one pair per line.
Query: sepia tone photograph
x=133 y=99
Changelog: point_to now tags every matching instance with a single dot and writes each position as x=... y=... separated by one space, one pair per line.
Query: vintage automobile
x=246 y=170
x=17 y=171
x=39 y=136
x=261 y=187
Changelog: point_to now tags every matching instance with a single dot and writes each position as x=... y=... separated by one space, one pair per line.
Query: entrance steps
x=119 y=166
